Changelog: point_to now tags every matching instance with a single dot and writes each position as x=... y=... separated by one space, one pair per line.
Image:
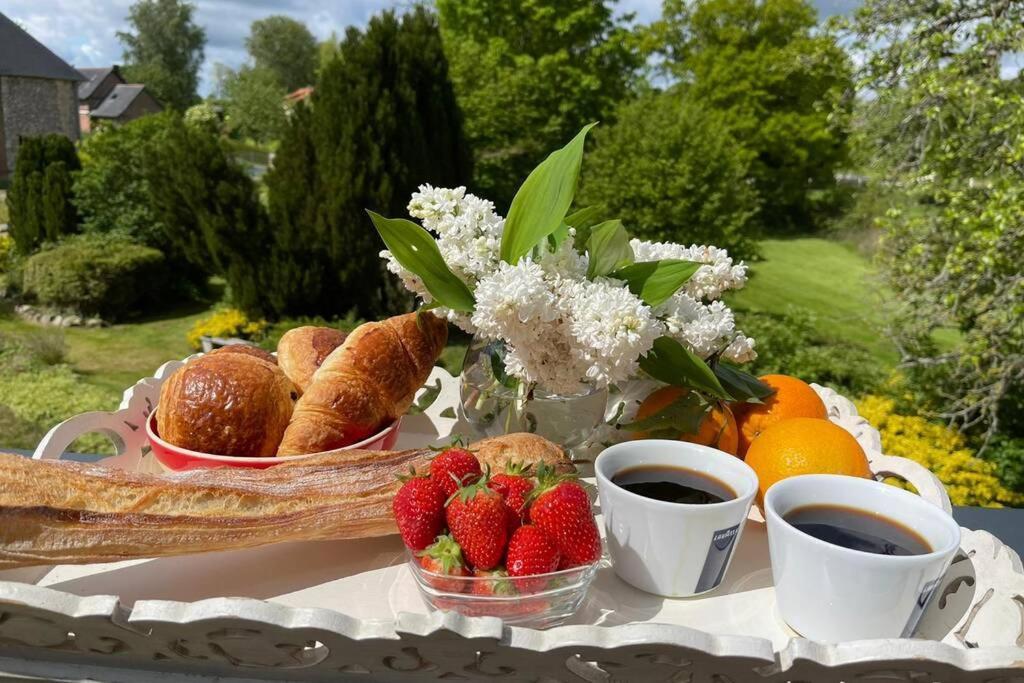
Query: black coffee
x=857 y=530
x=674 y=484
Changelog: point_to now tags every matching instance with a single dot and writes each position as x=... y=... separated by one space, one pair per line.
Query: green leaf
x=609 y=248
x=415 y=249
x=742 y=385
x=681 y=416
x=543 y=200
x=556 y=238
x=656 y=281
x=672 y=363
x=585 y=217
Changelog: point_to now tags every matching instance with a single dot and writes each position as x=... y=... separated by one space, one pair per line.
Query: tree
x=164 y=50
x=383 y=120
x=210 y=209
x=528 y=76
x=326 y=51
x=253 y=101
x=672 y=171
x=783 y=85
x=40 y=196
x=113 y=194
x=947 y=129
x=285 y=48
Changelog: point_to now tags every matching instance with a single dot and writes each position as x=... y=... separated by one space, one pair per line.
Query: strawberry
x=454 y=467
x=418 y=508
x=514 y=486
x=477 y=518
x=444 y=556
x=561 y=507
x=498 y=585
x=531 y=551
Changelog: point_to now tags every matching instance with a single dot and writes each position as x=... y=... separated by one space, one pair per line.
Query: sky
x=83 y=33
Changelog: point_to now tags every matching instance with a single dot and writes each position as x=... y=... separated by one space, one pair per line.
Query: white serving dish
x=341 y=610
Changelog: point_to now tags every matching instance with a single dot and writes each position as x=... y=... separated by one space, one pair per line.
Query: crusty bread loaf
x=59 y=512
x=302 y=350
x=226 y=404
x=368 y=381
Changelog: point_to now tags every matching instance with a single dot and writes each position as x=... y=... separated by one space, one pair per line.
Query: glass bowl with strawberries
x=521 y=545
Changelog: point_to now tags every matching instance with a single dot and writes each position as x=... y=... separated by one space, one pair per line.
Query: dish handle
x=125 y=427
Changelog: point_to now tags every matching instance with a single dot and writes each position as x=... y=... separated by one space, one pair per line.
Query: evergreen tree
x=210 y=209
x=40 y=196
x=383 y=120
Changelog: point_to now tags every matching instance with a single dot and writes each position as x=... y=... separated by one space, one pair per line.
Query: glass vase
x=495 y=404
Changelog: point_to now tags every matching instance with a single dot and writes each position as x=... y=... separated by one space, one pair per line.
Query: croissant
x=365 y=383
x=301 y=352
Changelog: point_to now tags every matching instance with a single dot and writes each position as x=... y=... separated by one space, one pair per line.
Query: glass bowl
x=536 y=601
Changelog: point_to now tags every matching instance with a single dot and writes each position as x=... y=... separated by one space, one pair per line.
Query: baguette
x=60 y=512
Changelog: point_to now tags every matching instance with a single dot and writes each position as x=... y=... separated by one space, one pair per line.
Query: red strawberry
x=561 y=507
x=514 y=486
x=454 y=467
x=477 y=519
x=418 y=508
x=444 y=556
x=498 y=585
x=531 y=551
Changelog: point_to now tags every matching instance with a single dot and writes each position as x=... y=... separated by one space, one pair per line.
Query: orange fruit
x=792 y=398
x=717 y=427
x=805 y=445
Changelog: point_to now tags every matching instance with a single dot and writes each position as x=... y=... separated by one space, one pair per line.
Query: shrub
x=228 y=322
x=792 y=344
x=37 y=399
x=969 y=480
x=671 y=171
x=40 y=195
x=96 y=275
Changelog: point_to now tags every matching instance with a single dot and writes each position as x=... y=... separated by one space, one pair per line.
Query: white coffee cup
x=830 y=593
x=672 y=549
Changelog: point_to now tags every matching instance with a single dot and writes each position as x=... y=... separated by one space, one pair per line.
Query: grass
x=5 y=217
x=829 y=280
x=114 y=358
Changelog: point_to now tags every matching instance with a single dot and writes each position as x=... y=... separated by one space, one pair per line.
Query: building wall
x=36 y=106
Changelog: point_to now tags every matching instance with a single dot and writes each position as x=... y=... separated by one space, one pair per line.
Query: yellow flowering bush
x=227 y=322
x=969 y=480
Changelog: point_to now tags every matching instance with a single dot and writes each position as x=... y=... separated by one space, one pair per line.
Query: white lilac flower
x=741 y=350
x=718 y=275
x=562 y=331
x=610 y=326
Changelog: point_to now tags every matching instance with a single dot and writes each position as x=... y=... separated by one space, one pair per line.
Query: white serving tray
x=349 y=610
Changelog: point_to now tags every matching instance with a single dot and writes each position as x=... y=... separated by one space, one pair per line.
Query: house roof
x=299 y=95
x=119 y=99
x=23 y=55
x=94 y=76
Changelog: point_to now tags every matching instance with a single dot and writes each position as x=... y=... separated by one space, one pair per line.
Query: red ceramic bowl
x=177 y=458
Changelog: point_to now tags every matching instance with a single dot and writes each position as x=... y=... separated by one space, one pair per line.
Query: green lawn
x=113 y=358
x=4 y=216
x=830 y=280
